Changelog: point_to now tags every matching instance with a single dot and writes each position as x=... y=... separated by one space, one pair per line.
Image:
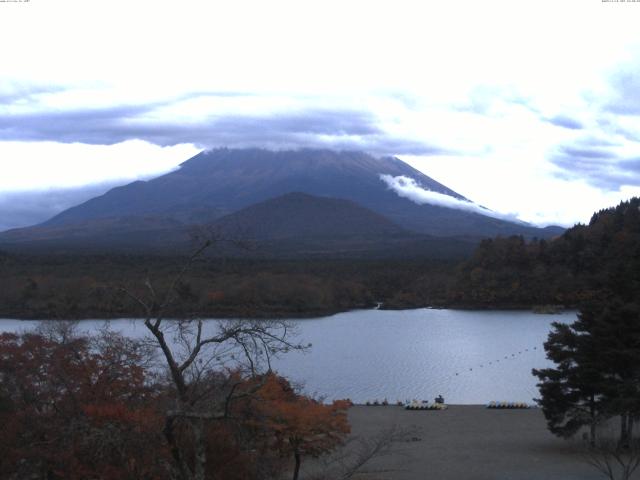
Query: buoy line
x=509 y=356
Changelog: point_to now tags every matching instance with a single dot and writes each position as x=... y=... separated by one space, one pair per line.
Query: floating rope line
x=425 y=405
x=506 y=357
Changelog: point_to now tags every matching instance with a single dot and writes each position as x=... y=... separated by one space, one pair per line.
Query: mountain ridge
x=298 y=214
x=218 y=183
x=226 y=180
x=292 y=226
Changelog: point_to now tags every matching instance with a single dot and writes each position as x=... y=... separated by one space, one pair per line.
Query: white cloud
x=481 y=79
x=526 y=186
x=43 y=165
x=408 y=188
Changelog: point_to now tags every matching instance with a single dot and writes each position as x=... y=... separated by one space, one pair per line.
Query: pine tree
x=570 y=392
x=615 y=329
x=597 y=373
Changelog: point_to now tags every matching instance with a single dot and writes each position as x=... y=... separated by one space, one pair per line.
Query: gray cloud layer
x=601 y=168
x=26 y=94
x=565 y=122
x=626 y=85
x=592 y=156
x=323 y=128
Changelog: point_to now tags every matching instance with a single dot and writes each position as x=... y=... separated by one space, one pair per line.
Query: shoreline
x=294 y=315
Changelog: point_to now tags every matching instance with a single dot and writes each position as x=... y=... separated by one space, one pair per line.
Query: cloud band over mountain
x=339 y=128
x=408 y=188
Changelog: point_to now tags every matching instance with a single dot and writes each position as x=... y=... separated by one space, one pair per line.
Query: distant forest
x=565 y=271
x=504 y=272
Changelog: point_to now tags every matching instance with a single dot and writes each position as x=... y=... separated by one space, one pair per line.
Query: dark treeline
x=565 y=271
x=90 y=286
x=595 y=381
x=507 y=272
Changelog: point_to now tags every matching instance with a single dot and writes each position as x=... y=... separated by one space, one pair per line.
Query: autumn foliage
x=296 y=426
x=74 y=407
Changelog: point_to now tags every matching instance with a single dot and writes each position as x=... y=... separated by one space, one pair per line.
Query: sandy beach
x=473 y=442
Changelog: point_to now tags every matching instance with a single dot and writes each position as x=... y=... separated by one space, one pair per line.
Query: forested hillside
x=502 y=273
x=562 y=271
x=89 y=286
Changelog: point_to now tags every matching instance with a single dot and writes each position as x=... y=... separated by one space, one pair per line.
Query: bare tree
x=355 y=458
x=196 y=353
x=614 y=460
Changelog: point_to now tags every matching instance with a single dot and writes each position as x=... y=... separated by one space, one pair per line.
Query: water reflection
x=467 y=356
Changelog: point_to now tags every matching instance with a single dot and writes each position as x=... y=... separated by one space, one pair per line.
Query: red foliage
x=295 y=425
x=73 y=410
x=78 y=408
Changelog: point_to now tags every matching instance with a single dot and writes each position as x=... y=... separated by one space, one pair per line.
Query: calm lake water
x=469 y=357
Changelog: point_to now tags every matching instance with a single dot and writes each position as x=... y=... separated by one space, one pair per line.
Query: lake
x=469 y=357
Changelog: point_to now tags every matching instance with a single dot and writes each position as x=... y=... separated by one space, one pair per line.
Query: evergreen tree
x=615 y=329
x=570 y=392
x=597 y=373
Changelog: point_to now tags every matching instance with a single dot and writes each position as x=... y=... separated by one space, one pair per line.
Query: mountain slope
x=299 y=215
x=294 y=225
x=222 y=181
x=101 y=234
x=217 y=183
x=298 y=225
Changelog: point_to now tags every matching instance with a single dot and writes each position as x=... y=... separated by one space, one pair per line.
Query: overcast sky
x=530 y=108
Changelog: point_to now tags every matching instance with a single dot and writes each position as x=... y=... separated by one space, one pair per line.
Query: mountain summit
x=221 y=182
x=217 y=182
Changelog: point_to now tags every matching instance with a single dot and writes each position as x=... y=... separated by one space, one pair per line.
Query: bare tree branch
x=611 y=459
x=200 y=396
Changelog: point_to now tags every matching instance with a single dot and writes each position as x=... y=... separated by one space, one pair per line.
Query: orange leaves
x=215 y=296
x=78 y=407
x=298 y=423
x=130 y=416
x=293 y=425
